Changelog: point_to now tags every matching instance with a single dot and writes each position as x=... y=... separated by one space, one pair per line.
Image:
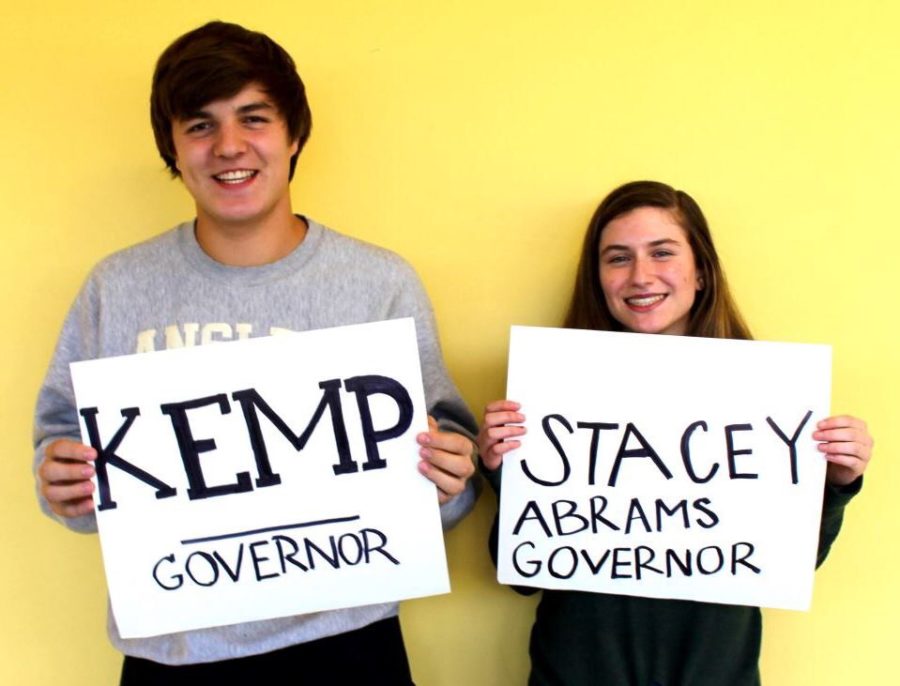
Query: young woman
x=649 y=266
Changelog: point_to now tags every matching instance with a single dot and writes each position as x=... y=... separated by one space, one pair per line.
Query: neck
x=250 y=244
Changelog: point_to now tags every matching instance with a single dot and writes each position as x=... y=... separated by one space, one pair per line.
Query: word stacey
x=633 y=445
x=252 y=405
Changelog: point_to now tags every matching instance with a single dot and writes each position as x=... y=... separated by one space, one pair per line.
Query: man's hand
x=65 y=476
x=446 y=460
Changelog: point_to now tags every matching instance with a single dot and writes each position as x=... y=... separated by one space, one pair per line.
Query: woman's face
x=647 y=271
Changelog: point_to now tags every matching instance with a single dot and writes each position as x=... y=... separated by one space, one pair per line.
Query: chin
x=650 y=328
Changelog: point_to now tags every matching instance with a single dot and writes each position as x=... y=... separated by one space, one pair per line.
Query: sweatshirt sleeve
x=835 y=500
x=441 y=396
x=55 y=414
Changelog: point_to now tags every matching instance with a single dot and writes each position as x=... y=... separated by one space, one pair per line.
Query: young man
x=230 y=117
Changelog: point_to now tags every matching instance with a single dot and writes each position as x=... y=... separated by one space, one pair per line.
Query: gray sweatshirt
x=167 y=293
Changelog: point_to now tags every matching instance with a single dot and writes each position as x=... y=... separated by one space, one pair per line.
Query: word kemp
x=252 y=405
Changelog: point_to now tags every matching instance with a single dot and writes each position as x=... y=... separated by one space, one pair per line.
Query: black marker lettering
x=596 y=428
x=686 y=455
x=548 y=431
x=733 y=452
x=791 y=443
x=190 y=448
x=646 y=450
x=363 y=387
x=106 y=456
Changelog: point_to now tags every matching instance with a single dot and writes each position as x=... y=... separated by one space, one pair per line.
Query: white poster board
x=278 y=476
x=665 y=466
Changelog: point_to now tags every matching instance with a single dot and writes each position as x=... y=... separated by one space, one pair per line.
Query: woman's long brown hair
x=714 y=313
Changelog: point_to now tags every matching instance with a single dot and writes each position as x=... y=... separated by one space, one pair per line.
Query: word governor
x=269 y=558
x=252 y=405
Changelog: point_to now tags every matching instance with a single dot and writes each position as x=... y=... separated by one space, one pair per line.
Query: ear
x=700 y=282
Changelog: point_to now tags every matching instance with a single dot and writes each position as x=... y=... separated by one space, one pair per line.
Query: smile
x=235 y=176
x=644 y=301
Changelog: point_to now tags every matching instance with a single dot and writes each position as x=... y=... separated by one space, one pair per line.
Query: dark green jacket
x=596 y=639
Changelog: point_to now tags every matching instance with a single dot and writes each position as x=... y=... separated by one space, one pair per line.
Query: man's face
x=234 y=158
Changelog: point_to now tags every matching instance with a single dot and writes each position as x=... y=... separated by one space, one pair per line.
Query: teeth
x=645 y=301
x=235 y=176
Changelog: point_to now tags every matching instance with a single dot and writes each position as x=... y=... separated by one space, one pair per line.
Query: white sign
x=665 y=466
x=262 y=478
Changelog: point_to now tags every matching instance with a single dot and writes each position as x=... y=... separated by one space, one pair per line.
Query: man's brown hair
x=214 y=62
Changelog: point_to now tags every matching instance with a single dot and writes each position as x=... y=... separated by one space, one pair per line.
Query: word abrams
x=256 y=479
x=568 y=518
x=664 y=466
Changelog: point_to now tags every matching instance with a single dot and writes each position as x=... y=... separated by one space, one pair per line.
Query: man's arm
x=448 y=448
x=62 y=464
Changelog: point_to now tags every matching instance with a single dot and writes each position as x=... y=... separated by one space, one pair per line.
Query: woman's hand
x=501 y=427
x=847 y=446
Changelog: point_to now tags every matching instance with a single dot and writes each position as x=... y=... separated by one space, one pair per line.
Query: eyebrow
x=243 y=109
x=652 y=244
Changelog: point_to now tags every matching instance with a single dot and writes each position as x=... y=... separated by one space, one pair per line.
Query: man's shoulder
x=366 y=256
x=156 y=252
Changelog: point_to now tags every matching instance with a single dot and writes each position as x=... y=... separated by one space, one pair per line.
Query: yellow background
x=475 y=138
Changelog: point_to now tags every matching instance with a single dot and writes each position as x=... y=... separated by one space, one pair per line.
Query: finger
x=499 y=433
x=454 y=464
x=493 y=444
x=68 y=492
x=502 y=406
x=845 y=460
x=498 y=450
x=841 y=421
x=843 y=434
x=505 y=447
x=493 y=458
x=447 y=441
x=499 y=418
x=53 y=471
x=65 y=449
x=74 y=508
x=448 y=484
x=844 y=448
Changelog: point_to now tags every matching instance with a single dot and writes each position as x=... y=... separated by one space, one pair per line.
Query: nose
x=641 y=271
x=229 y=140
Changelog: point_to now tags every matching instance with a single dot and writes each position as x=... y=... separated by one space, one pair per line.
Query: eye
x=618 y=258
x=198 y=127
x=663 y=253
x=255 y=120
